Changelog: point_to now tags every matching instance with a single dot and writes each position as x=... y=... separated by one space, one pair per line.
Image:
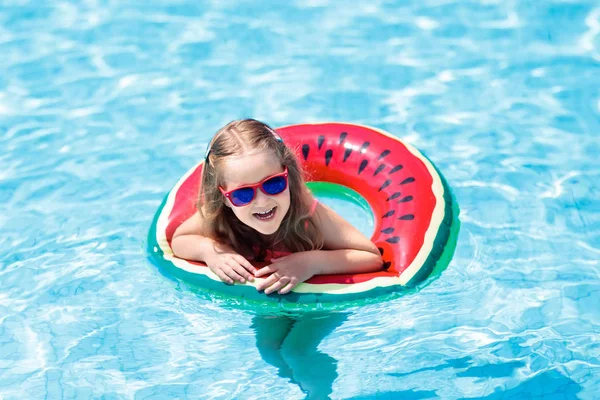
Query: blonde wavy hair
x=297 y=232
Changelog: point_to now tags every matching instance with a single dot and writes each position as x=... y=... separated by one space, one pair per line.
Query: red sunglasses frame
x=257 y=186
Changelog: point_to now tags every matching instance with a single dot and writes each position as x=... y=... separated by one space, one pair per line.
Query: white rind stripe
x=436 y=220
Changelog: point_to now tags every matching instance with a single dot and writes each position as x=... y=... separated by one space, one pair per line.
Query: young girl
x=254 y=205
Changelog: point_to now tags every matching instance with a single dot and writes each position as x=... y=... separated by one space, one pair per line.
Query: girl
x=254 y=205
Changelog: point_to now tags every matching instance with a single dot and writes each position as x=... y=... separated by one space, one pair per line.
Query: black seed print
x=305 y=150
x=343 y=137
x=388 y=214
x=387 y=230
x=385 y=184
x=363 y=165
x=347 y=153
x=396 y=168
x=379 y=169
x=364 y=147
x=394 y=239
x=407 y=217
x=383 y=154
x=392 y=197
x=386 y=265
x=328 y=155
x=405 y=199
x=407 y=180
x=380 y=250
x=321 y=139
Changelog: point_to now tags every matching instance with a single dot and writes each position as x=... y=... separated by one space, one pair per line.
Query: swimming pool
x=104 y=105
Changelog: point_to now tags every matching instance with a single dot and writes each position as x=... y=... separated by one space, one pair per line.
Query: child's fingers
x=267 y=282
x=241 y=271
x=233 y=274
x=265 y=270
x=288 y=288
x=245 y=263
x=284 y=280
x=223 y=276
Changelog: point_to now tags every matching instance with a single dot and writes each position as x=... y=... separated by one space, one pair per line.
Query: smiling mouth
x=267 y=215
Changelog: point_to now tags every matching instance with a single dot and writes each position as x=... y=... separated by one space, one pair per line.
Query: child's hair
x=297 y=232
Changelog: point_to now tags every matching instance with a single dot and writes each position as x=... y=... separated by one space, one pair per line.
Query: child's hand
x=230 y=266
x=286 y=273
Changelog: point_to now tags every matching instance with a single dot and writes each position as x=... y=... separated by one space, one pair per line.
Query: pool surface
x=105 y=104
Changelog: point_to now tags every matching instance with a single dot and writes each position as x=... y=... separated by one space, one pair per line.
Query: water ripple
x=103 y=105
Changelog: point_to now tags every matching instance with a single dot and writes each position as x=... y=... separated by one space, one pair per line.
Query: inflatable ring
x=415 y=227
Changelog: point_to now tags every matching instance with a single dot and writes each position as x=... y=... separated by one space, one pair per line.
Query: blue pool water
x=104 y=105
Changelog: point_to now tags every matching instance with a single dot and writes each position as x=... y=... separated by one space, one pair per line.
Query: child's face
x=250 y=169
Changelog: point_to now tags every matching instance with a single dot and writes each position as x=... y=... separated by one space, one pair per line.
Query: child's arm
x=346 y=251
x=191 y=243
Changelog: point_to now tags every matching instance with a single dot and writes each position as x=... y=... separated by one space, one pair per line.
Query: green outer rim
x=445 y=240
x=242 y=296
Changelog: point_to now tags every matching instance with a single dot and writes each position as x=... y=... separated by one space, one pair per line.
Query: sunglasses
x=271 y=185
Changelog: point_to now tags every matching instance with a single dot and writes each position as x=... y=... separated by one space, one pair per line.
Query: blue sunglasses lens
x=275 y=185
x=242 y=196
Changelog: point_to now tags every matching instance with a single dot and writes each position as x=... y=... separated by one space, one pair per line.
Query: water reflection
x=289 y=343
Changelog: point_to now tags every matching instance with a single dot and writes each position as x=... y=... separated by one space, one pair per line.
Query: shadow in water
x=498 y=370
x=457 y=363
x=401 y=394
x=547 y=385
x=289 y=343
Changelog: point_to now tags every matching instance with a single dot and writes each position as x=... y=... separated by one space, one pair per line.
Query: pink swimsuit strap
x=311 y=211
x=313 y=207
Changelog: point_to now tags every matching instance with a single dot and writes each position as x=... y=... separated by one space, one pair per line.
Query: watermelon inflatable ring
x=415 y=217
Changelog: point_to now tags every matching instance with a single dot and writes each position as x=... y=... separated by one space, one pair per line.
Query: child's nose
x=261 y=198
